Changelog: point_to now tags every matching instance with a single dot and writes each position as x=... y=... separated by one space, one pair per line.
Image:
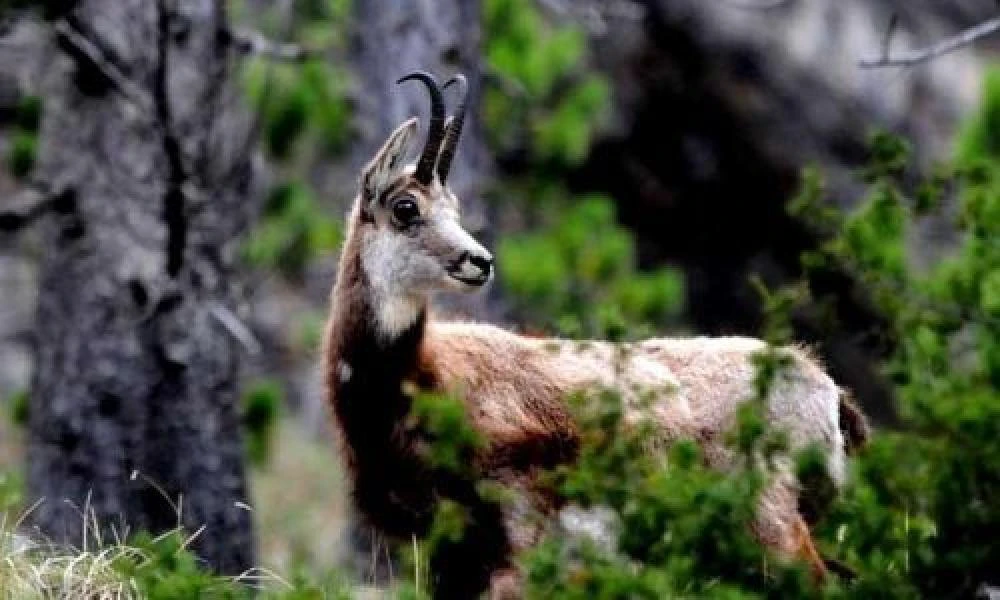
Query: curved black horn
x=425 y=166
x=455 y=130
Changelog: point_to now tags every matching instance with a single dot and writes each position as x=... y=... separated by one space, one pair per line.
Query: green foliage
x=922 y=517
x=29 y=113
x=261 y=409
x=450 y=443
x=19 y=408
x=163 y=570
x=11 y=492
x=980 y=138
x=292 y=232
x=681 y=528
x=294 y=100
x=305 y=117
x=577 y=268
x=546 y=104
x=22 y=153
x=582 y=271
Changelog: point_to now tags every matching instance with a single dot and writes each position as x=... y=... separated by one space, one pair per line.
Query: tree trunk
x=136 y=381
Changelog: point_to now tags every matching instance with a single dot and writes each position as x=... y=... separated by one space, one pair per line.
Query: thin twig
x=914 y=57
x=890 y=30
x=80 y=47
x=250 y=42
x=236 y=328
x=755 y=4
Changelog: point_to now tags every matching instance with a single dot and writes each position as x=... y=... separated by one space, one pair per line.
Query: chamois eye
x=405 y=211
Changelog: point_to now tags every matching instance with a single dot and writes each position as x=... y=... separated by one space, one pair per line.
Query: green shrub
x=29 y=113
x=546 y=103
x=292 y=231
x=261 y=409
x=19 y=408
x=581 y=273
x=22 y=153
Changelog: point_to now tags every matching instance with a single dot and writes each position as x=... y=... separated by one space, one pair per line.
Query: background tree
x=147 y=165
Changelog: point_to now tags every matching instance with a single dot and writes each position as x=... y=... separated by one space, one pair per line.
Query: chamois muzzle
x=435 y=134
x=472 y=269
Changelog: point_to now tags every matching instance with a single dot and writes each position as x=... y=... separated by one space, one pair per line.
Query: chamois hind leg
x=526 y=514
x=779 y=526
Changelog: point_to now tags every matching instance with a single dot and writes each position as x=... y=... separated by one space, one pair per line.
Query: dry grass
x=299 y=504
x=32 y=571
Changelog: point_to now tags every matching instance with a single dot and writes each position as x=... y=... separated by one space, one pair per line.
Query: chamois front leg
x=464 y=568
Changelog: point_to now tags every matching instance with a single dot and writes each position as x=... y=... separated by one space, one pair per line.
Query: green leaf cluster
x=293 y=230
x=545 y=102
x=581 y=270
x=922 y=517
x=262 y=404
x=304 y=117
x=22 y=151
x=299 y=104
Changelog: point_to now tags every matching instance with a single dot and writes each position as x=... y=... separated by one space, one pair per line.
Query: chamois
x=404 y=242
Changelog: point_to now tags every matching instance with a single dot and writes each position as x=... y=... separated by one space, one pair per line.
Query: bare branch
x=236 y=328
x=83 y=50
x=914 y=57
x=250 y=42
x=756 y=4
x=889 y=32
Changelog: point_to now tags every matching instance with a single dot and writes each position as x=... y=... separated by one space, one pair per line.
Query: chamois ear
x=383 y=168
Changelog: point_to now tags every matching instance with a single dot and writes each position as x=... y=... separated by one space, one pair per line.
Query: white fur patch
x=344 y=371
x=382 y=256
x=395 y=314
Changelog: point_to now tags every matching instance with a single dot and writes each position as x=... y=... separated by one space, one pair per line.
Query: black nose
x=485 y=264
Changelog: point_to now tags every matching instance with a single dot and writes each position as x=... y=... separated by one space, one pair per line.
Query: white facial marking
x=383 y=258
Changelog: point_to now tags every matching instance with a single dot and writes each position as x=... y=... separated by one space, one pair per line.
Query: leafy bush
x=924 y=513
x=581 y=271
x=261 y=410
x=546 y=104
x=19 y=408
x=576 y=271
x=22 y=153
x=292 y=232
x=305 y=116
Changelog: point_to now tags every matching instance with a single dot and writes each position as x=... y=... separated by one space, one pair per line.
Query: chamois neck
x=370 y=330
x=365 y=371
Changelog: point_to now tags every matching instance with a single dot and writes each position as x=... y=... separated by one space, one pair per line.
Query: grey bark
x=136 y=377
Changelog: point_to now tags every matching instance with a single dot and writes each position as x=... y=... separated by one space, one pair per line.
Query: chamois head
x=411 y=240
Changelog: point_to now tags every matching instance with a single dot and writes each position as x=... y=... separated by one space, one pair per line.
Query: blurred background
x=177 y=174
